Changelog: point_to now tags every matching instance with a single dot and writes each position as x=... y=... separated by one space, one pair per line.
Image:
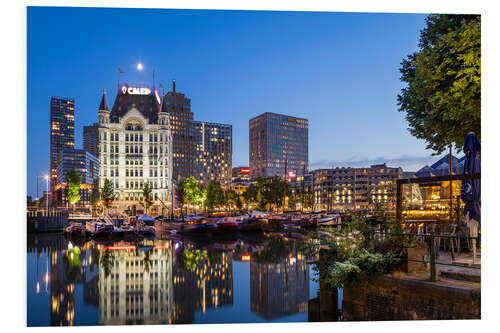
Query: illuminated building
x=178 y=107
x=279 y=289
x=214 y=151
x=436 y=195
x=240 y=175
x=278 y=145
x=85 y=164
x=354 y=188
x=138 y=286
x=135 y=145
x=62 y=132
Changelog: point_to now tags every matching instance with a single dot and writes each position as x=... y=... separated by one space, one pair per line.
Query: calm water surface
x=240 y=278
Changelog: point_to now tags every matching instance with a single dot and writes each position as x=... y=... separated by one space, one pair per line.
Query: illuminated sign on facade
x=135 y=90
x=245 y=171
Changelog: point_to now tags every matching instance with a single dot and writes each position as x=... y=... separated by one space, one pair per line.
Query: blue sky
x=339 y=70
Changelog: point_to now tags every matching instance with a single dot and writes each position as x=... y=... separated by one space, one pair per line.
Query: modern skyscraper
x=62 y=132
x=91 y=139
x=214 y=151
x=135 y=145
x=278 y=146
x=178 y=106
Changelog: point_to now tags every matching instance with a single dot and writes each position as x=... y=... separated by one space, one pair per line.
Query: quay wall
x=46 y=221
x=395 y=298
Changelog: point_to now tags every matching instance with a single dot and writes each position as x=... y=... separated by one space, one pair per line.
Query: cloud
x=408 y=163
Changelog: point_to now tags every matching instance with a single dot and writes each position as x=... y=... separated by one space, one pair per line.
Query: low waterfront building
x=240 y=174
x=355 y=188
x=214 y=151
x=85 y=164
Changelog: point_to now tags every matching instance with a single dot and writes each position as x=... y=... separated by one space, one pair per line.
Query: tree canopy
x=72 y=190
x=215 y=195
x=190 y=192
x=107 y=193
x=147 y=193
x=442 y=99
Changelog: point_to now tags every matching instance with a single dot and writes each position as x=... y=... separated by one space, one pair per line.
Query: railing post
x=433 y=257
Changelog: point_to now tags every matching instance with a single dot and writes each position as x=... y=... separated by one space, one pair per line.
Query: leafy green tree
x=72 y=190
x=191 y=191
x=107 y=193
x=442 y=99
x=239 y=203
x=215 y=195
x=231 y=198
x=147 y=193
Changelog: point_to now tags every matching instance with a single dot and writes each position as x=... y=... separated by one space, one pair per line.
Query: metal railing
x=432 y=236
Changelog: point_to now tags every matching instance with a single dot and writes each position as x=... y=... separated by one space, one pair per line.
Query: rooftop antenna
x=154 y=84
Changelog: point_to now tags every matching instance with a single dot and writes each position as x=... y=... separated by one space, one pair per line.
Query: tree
x=191 y=192
x=72 y=190
x=239 y=203
x=147 y=193
x=215 y=195
x=231 y=198
x=107 y=193
x=442 y=99
x=95 y=195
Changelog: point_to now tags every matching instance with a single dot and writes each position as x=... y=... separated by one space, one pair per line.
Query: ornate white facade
x=135 y=146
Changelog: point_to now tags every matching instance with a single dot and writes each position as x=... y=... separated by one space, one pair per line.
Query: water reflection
x=164 y=281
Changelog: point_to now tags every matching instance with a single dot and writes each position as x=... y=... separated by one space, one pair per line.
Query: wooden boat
x=74 y=229
x=100 y=229
x=198 y=228
x=226 y=225
x=252 y=224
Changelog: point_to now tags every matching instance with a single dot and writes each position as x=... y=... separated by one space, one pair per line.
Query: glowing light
x=245 y=257
x=140 y=67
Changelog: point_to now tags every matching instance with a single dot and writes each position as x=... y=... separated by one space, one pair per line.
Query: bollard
x=433 y=257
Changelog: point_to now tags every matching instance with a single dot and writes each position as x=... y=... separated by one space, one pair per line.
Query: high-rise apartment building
x=178 y=107
x=278 y=146
x=214 y=150
x=62 y=132
x=91 y=139
x=135 y=145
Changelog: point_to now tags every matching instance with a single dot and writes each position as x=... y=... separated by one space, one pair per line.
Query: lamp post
x=47 y=186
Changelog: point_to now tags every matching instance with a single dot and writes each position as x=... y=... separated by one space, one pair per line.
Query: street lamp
x=47 y=185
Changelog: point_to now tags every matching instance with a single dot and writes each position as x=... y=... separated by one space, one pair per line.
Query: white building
x=135 y=145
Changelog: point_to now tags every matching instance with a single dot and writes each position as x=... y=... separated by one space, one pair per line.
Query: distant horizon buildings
x=278 y=146
x=62 y=132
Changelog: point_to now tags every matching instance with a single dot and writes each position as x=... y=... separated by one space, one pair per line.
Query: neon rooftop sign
x=135 y=90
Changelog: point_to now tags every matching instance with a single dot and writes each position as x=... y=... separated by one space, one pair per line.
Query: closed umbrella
x=471 y=188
